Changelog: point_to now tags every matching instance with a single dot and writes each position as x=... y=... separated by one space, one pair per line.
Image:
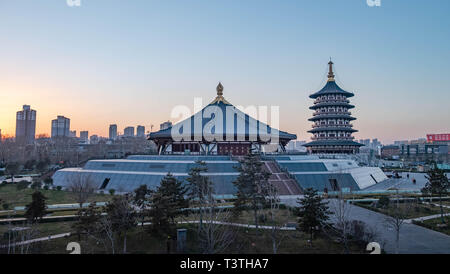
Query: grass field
x=433 y=224
x=282 y=217
x=14 y=197
x=247 y=241
x=412 y=210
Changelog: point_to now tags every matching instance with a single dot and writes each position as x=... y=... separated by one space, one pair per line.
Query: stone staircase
x=282 y=181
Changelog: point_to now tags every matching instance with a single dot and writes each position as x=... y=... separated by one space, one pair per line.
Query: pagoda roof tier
x=320 y=129
x=332 y=143
x=331 y=88
x=332 y=116
x=221 y=121
x=332 y=104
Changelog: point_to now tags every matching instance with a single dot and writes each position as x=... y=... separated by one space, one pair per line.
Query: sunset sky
x=131 y=62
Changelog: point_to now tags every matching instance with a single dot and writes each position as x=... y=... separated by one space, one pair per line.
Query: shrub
x=36 y=185
x=58 y=188
x=262 y=218
x=22 y=185
x=361 y=233
x=383 y=202
x=5 y=206
x=46 y=187
x=112 y=191
x=48 y=181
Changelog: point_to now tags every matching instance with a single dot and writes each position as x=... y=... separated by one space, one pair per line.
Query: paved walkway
x=413 y=238
x=51 y=237
x=421 y=219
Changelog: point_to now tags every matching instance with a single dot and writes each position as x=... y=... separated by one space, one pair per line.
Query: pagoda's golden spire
x=219 y=89
x=330 y=71
x=219 y=97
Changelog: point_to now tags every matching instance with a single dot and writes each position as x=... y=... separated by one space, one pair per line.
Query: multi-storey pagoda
x=332 y=130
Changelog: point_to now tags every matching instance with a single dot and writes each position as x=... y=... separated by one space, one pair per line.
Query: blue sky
x=130 y=62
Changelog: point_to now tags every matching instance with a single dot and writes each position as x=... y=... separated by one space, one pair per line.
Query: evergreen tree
x=87 y=220
x=313 y=212
x=12 y=169
x=166 y=205
x=199 y=188
x=437 y=184
x=141 y=200
x=251 y=185
x=37 y=208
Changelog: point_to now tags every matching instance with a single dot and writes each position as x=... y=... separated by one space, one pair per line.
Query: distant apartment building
x=60 y=127
x=113 y=132
x=26 y=125
x=390 y=151
x=140 y=131
x=165 y=125
x=94 y=139
x=84 y=136
x=73 y=134
x=402 y=142
x=296 y=146
x=433 y=144
x=128 y=132
x=365 y=142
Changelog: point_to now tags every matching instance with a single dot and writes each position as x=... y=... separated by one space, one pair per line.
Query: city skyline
x=396 y=67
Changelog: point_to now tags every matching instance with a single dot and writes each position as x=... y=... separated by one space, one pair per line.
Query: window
x=156 y=166
x=105 y=183
x=334 y=184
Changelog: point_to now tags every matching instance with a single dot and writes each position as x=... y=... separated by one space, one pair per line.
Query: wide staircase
x=281 y=180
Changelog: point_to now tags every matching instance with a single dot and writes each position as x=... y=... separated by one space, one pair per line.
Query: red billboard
x=438 y=137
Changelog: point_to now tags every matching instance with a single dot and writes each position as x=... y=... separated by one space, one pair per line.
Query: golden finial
x=330 y=71
x=219 y=97
x=219 y=89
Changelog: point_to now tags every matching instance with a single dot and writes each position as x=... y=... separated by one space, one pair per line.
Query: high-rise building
x=113 y=132
x=26 y=125
x=128 y=132
x=84 y=136
x=61 y=127
x=73 y=134
x=165 y=125
x=332 y=130
x=140 y=131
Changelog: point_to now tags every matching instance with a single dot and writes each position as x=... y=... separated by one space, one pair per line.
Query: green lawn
x=250 y=241
x=414 y=210
x=247 y=241
x=433 y=224
x=14 y=197
x=46 y=229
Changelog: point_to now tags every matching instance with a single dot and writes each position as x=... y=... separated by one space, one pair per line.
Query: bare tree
x=20 y=239
x=215 y=235
x=82 y=185
x=341 y=224
x=395 y=219
x=273 y=200
x=107 y=232
x=123 y=216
